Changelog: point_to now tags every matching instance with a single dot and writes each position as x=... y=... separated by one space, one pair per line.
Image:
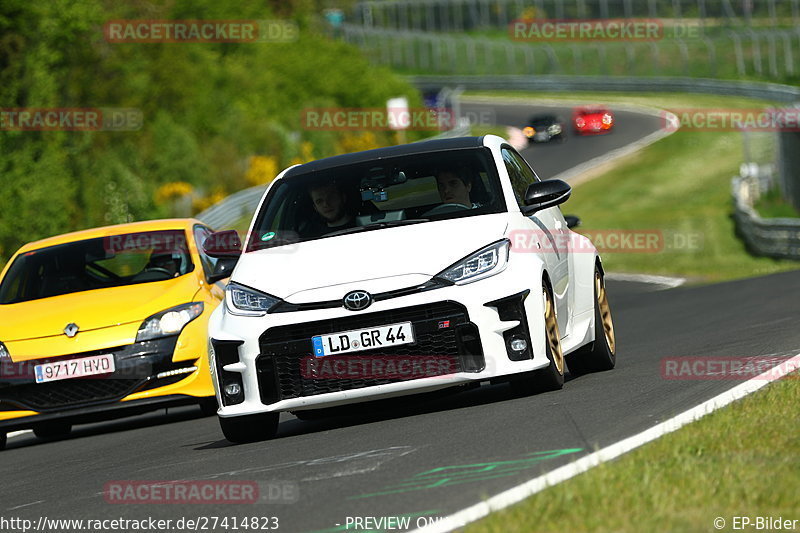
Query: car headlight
x=607 y=119
x=555 y=129
x=241 y=300
x=528 y=131
x=169 y=322
x=486 y=262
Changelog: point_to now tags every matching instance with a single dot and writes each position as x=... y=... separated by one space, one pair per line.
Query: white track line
x=529 y=488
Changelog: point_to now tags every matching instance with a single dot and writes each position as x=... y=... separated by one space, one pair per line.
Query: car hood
x=376 y=261
x=91 y=310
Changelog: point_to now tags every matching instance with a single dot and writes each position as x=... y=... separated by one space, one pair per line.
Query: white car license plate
x=74 y=368
x=363 y=339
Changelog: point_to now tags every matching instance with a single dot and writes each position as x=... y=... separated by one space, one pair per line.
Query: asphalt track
x=426 y=456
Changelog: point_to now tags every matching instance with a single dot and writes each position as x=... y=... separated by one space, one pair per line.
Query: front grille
x=68 y=392
x=284 y=348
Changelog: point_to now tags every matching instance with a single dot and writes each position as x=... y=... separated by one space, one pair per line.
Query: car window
x=98 y=263
x=372 y=195
x=519 y=172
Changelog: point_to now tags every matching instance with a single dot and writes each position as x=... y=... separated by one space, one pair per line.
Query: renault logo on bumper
x=71 y=330
x=357 y=300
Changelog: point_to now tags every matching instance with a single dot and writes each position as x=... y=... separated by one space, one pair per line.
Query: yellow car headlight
x=169 y=322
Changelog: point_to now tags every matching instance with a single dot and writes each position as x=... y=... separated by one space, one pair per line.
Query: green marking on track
x=444 y=476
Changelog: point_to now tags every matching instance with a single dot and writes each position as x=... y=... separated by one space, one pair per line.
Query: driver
x=330 y=203
x=170 y=262
x=454 y=187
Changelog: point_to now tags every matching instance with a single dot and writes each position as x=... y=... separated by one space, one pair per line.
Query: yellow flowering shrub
x=357 y=142
x=169 y=192
x=261 y=170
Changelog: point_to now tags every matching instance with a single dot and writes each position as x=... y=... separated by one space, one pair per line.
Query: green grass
x=500 y=131
x=679 y=186
x=742 y=460
x=772 y=205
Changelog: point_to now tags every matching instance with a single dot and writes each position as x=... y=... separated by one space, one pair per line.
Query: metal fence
x=233 y=209
x=772 y=237
x=771 y=53
x=467 y=15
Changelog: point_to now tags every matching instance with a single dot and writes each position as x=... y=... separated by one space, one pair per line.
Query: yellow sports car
x=105 y=323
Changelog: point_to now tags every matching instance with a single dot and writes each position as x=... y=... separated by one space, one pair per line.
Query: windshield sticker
x=268 y=236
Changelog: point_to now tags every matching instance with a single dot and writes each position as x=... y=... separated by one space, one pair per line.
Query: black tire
x=601 y=354
x=209 y=406
x=52 y=430
x=551 y=377
x=250 y=428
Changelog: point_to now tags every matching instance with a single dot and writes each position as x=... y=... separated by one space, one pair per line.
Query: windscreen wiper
x=377 y=225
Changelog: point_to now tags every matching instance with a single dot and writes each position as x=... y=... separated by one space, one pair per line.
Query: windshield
x=98 y=263
x=377 y=194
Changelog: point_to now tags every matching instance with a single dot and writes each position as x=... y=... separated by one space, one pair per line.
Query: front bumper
x=143 y=371
x=264 y=356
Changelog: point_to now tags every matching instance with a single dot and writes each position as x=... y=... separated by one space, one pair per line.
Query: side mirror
x=223 y=244
x=545 y=194
x=572 y=221
x=226 y=247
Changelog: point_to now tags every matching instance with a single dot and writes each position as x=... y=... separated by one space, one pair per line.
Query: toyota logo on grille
x=357 y=300
x=71 y=330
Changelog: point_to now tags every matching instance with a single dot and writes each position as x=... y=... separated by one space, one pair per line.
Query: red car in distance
x=592 y=119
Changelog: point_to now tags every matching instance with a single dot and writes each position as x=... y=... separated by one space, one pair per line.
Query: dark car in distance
x=545 y=128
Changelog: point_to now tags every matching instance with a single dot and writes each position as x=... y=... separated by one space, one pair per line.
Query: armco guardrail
x=760 y=90
x=239 y=205
x=772 y=237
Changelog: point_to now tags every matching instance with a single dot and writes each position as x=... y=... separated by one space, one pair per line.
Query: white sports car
x=401 y=270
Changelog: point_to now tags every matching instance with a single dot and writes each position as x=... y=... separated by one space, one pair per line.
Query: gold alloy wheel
x=605 y=311
x=551 y=328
